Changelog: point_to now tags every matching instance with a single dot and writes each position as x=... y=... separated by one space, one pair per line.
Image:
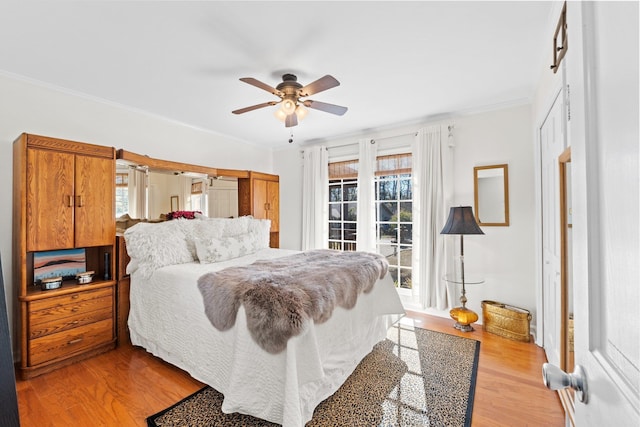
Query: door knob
x=555 y=379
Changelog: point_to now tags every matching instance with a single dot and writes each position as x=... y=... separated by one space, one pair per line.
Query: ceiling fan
x=290 y=92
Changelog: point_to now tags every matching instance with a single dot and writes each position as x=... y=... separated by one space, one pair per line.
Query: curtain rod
x=373 y=140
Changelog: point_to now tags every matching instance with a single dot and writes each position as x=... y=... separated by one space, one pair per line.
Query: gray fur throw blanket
x=280 y=295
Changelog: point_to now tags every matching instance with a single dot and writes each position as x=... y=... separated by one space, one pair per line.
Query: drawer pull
x=75 y=309
x=75 y=296
x=75 y=322
x=76 y=341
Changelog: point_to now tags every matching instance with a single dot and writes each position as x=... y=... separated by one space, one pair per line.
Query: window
x=122 y=194
x=343 y=200
x=394 y=207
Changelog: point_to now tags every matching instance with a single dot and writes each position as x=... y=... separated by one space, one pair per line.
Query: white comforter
x=167 y=318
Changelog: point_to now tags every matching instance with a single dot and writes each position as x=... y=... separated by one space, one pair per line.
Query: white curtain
x=137 y=193
x=315 y=198
x=366 y=225
x=184 y=202
x=432 y=171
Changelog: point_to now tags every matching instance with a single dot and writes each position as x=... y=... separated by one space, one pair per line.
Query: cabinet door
x=260 y=199
x=266 y=201
x=50 y=211
x=94 y=200
x=273 y=204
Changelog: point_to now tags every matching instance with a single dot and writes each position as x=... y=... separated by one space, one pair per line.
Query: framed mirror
x=148 y=188
x=491 y=194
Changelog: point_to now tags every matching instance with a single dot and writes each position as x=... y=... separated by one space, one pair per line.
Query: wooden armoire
x=63 y=198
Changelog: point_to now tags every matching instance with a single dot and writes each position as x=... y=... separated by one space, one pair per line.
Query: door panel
x=603 y=77
x=260 y=199
x=95 y=217
x=552 y=141
x=50 y=189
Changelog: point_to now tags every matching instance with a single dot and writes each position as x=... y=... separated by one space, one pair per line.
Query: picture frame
x=64 y=263
x=174 y=203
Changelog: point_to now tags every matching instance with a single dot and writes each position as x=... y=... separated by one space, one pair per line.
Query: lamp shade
x=461 y=221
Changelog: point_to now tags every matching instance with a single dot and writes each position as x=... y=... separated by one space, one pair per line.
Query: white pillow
x=259 y=232
x=154 y=245
x=224 y=248
x=236 y=226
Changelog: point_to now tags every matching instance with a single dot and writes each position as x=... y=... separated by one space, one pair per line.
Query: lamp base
x=463 y=317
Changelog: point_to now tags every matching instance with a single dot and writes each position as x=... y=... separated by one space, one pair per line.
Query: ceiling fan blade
x=263 y=86
x=291 y=120
x=254 y=107
x=323 y=83
x=323 y=106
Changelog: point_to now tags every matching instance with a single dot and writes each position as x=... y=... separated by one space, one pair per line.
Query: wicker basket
x=506 y=320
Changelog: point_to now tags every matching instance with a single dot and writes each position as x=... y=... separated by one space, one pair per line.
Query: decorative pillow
x=223 y=248
x=236 y=226
x=259 y=232
x=156 y=245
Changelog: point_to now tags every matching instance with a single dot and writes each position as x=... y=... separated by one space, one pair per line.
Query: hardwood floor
x=124 y=386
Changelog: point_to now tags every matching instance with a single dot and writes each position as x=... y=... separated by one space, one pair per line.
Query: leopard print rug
x=415 y=377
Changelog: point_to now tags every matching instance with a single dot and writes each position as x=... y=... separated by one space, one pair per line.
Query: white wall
x=504 y=256
x=33 y=108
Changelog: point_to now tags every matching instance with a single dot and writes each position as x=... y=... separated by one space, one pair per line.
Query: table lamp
x=462 y=221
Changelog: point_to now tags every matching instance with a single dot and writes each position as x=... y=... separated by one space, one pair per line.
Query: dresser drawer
x=58 y=324
x=63 y=313
x=67 y=343
x=80 y=297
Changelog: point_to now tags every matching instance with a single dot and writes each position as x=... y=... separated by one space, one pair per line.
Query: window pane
x=406 y=191
x=406 y=233
x=350 y=231
x=335 y=230
x=387 y=190
x=387 y=251
x=350 y=211
x=405 y=278
x=334 y=211
x=335 y=195
x=389 y=211
x=406 y=213
x=351 y=192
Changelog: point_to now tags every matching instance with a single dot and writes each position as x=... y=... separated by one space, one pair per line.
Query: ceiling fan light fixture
x=301 y=112
x=288 y=106
x=280 y=115
x=292 y=107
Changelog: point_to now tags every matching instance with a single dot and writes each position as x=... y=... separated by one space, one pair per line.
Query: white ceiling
x=397 y=62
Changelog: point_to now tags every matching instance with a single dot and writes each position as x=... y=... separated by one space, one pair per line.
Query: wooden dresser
x=63 y=198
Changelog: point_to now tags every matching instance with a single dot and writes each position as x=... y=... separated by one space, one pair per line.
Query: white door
x=552 y=143
x=602 y=71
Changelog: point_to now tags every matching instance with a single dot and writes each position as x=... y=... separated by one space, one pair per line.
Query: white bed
x=167 y=318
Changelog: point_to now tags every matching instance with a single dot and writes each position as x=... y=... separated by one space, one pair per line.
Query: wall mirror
x=491 y=194
x=147 y=188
